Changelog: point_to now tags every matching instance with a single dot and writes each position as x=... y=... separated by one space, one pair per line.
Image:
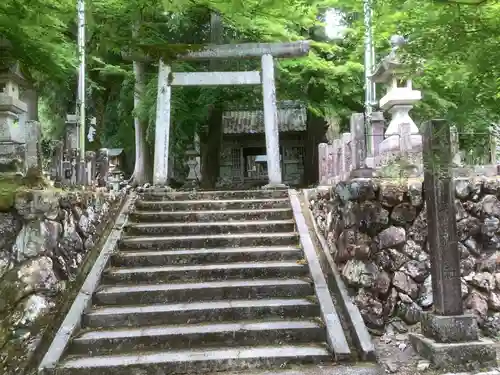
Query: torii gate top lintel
x=248 y=51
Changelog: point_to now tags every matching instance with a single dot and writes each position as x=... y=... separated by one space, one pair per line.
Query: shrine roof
x=291 y=118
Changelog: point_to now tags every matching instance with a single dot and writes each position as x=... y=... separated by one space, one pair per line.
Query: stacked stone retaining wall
x=376 y=230
x=46 y=240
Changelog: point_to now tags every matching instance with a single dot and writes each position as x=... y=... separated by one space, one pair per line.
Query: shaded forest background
x=456 y=49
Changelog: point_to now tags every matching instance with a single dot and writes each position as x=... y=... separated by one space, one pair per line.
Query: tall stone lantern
x=402 y=134
x=12 y=134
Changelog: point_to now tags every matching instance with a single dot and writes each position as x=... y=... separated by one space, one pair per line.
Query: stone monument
x=33 y=146
x=359 y=167
x=450 y=338
x=398 y=101
x=71 y=132
x=376 y=136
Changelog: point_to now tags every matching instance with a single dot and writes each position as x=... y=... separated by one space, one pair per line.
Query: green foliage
x=38 y=34
x=456 y=47
x=458 y=50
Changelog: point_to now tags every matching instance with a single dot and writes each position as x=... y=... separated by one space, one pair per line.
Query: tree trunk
x=315 y=132
x=101 y=101
x=140 y=174
x=212 y=148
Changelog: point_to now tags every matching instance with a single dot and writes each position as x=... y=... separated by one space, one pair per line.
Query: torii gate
x=267 y=52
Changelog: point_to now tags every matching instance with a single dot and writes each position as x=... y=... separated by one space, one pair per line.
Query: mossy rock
x=9 y=185
x=13 y=183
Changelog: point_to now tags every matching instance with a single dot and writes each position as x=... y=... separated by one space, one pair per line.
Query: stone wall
x=377 y=233
x=46 y=239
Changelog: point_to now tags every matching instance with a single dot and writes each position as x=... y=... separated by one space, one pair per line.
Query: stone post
x=346 y=155
x=75 y=166
x=323 y=163
x=378 y=126
x=337 y=147
x=358 y=140
x=455 y=147
x=271 y=122
x=377 y=136
x=449 y=338
x=330 y=159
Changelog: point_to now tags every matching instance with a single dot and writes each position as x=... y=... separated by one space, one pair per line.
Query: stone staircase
x=202 y=282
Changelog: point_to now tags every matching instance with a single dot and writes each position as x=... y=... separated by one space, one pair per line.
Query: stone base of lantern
x=191 y=184
x=452 y=343
x=12 y=157
x=392 y=155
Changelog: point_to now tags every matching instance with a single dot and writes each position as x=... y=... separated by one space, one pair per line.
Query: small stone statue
x=396 y=41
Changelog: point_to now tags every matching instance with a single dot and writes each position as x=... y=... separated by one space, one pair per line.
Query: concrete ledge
x=471 y=355
x=335 y=333
x=84 y=298
x=354 y=369
x=275 y=187
x=359 y=332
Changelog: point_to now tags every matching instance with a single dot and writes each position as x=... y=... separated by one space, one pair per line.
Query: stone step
x=195 y=336
x=198 y=205
x=144 y=258
x=200 y=312
x=209 y=216
x=196 y=361
x=222 y=227
x=203 y=291
x=159 y=194
x=205 y=272
x=206 y=241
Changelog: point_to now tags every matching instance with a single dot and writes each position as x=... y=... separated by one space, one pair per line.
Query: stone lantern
x=115 y=174
x=12 y=134
x=192 y=163
x=402 y=134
